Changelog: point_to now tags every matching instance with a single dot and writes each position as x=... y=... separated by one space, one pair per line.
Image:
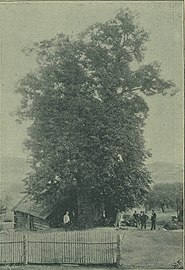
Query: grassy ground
x=151 y=249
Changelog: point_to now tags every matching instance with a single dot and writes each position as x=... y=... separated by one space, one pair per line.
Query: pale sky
x=22 y=24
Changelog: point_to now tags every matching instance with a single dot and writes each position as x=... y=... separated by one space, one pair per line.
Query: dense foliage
x=5 y=203
x=87 y=109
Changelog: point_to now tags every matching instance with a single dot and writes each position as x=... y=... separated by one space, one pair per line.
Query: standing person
x=135 y=217
x=83 y=221
x=66 y=220
x=139 y=218
x=73 y=219
x=118 y=219
x=103 y=217
x=153 y=220
x=143 y=218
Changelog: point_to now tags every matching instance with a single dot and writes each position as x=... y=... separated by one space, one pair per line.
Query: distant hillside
x=164 y=172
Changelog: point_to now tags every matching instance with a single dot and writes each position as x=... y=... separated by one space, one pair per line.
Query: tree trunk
x=146 y=208
x=88 y=212
x=162 y=207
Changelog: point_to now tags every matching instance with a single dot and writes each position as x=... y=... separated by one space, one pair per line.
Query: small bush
x=178 y=265
x=173 y=225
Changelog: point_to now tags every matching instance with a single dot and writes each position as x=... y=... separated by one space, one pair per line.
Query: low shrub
x=178 y=265
x=173 y=225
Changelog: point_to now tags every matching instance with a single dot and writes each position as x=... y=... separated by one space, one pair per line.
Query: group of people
x=139 y=219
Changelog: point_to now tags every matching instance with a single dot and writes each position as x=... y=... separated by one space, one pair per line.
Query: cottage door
x=31 y=223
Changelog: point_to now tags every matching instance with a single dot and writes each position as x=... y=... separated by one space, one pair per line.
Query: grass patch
x=147 y=249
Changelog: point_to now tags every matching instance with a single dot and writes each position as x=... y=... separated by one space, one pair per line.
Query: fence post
x=118 y=258
x=25 y=257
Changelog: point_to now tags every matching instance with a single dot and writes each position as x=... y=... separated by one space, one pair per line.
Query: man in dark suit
x=153 y=220
x=143 y=218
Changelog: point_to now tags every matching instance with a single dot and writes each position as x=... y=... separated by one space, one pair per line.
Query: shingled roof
x=38 y=209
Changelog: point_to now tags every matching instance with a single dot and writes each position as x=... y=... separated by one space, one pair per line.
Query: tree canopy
x=166 y=195
x=87 y=110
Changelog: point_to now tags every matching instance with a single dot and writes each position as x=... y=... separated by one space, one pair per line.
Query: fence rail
x=86 y=247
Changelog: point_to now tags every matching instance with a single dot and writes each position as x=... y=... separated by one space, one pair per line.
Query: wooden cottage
x=32 y=215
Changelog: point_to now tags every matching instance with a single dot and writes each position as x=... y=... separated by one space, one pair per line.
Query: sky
x=22 y=24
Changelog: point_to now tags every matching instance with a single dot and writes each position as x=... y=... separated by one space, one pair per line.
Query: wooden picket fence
x=72 y=247
x=12 y=248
